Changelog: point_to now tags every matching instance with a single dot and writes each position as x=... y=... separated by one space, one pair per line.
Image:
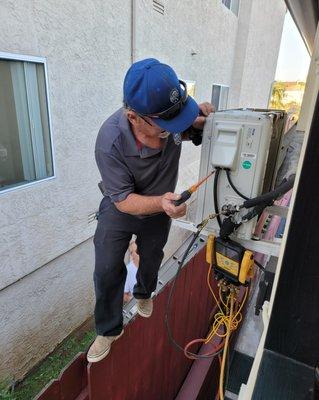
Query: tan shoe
x=101 y=347
x=144 y=307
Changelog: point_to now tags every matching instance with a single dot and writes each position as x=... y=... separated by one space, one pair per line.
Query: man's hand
x=168 y=205
x=205 y=108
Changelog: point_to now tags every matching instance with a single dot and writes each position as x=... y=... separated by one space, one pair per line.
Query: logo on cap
x=174 y=96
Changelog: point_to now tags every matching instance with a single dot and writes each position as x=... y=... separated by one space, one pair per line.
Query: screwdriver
x=187 y=193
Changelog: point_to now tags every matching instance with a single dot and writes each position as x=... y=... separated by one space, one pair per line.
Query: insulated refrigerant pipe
x=268 y=198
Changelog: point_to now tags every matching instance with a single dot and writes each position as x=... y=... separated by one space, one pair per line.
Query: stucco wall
x=87 y=47
x=205 y=27
x=40 y=310
x=87 y=55
x=257 y=48
x=46 y=248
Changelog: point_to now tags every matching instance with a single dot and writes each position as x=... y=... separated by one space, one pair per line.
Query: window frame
x=43 y=61
x=221 y=86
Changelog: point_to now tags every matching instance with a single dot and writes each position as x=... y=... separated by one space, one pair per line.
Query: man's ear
x=132 y=117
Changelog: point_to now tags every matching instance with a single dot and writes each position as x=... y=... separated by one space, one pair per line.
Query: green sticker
x=246 y=164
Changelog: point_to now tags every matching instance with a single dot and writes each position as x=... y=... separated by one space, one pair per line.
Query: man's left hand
x=205 y=108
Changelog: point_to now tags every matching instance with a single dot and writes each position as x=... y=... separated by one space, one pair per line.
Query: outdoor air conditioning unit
x=246 y=144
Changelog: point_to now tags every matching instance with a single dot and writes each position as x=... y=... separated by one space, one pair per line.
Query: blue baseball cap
x=152 y=89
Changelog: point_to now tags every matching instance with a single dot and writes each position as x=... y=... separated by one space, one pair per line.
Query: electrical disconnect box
x=248 y=144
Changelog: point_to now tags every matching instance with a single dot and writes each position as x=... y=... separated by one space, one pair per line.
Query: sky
x=294 y=59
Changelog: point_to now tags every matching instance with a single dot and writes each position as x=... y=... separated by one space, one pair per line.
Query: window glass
x=215 y=96
x=25 y=143
x=223 y=98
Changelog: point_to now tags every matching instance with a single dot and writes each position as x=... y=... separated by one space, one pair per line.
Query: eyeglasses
x=145 y=120
x=162 y=135
x=172 y=111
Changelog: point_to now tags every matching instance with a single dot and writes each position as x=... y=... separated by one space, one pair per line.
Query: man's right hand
x=168 y=205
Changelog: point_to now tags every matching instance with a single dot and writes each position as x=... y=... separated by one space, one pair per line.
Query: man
x=138 y=161
x=131 y=268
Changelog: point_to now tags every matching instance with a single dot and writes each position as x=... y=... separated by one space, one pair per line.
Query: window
x=233 y=5
x=220 y=97
x=25 y=138
x=191 y=85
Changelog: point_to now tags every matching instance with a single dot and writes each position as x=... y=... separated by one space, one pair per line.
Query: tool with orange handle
x=187 y=193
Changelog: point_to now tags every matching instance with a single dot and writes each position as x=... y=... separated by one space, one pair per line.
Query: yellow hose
x=229 y=329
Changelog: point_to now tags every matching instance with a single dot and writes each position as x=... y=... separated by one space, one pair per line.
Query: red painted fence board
x=51 y=392
x=143 y=364
x=70 y=384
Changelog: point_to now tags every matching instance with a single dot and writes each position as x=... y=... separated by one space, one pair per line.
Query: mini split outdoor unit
x=248 y=143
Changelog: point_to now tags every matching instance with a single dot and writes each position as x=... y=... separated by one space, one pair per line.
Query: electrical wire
x=216 y=196
x=259 y=265
x=234 y=187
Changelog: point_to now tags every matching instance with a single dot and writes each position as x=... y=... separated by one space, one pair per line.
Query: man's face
x=154 y=130
x=146 y=125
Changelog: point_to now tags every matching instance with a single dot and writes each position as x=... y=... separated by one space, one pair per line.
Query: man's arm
x=195 y=132
x=119 y=186
x=137 y=204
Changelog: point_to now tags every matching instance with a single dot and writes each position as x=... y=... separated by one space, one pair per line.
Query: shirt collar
x=129 y=144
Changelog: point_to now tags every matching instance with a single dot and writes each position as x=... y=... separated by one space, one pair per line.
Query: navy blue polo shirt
x=128 y=168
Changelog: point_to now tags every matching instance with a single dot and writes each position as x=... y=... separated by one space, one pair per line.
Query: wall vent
x=92 y=217
x=158 y=7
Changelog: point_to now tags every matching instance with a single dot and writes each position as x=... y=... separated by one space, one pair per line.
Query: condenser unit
x=247 y=145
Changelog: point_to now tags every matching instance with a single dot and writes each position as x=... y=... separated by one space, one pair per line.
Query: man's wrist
x=159 y=202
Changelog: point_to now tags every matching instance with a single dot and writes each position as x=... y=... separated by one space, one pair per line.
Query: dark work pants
x=113 y=234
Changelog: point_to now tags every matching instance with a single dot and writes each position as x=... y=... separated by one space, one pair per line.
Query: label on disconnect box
x=251 y=156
